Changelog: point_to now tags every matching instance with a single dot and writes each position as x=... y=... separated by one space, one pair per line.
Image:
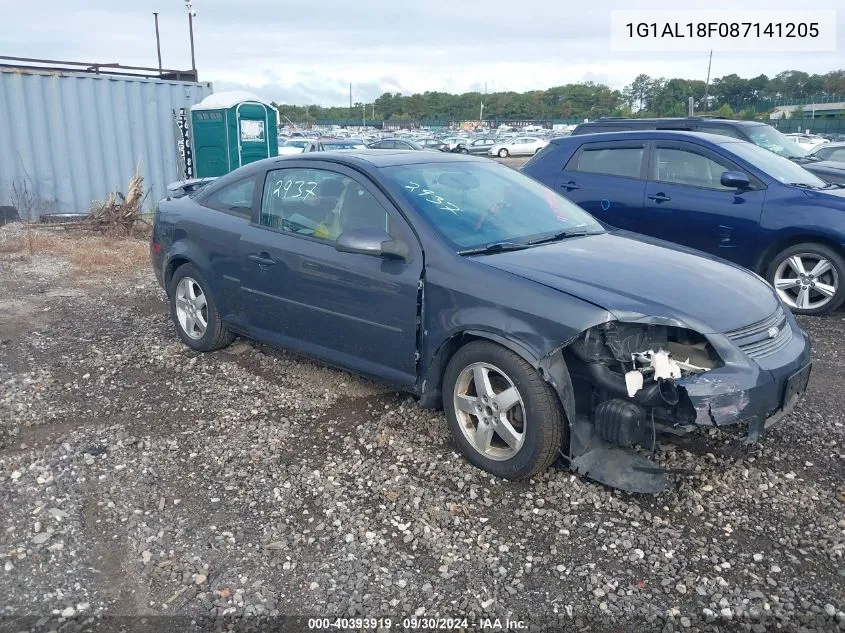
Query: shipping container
x=68 y=139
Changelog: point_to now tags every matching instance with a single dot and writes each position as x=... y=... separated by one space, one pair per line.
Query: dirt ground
x=140 y=478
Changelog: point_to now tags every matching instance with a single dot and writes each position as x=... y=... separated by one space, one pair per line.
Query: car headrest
x=331 y=188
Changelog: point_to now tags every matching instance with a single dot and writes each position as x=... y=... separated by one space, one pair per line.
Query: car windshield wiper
x=495 y=247
x=802 y=185
x=560 y=235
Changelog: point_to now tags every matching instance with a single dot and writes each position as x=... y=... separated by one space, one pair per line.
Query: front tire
x=503 y=153
x=809 y=278
x=503 y=416
x=463 y=150
x=194 y=311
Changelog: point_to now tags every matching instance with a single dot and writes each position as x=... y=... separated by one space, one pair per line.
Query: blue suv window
x=611 y=161
x=685 y=167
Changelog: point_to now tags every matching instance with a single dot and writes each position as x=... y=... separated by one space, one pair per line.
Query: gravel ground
x=139 y=478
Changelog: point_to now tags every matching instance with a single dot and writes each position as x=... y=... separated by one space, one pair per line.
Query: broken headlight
x=643 y=353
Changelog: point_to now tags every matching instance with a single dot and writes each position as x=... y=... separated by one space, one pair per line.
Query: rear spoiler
x=185 y=187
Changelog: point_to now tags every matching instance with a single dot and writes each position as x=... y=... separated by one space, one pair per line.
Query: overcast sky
x=307 y=51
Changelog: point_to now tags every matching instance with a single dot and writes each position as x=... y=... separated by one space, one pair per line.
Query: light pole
x=363 y=115
x=191 y=13
x=158 y=42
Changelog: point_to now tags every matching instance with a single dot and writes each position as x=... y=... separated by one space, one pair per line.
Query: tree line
x=730 y=95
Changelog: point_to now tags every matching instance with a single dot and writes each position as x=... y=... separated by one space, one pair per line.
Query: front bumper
x=757 y=393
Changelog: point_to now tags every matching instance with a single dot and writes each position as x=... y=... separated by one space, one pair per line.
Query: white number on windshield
x=438 y=201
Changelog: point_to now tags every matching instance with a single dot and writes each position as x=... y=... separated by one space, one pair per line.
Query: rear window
x=610 y=161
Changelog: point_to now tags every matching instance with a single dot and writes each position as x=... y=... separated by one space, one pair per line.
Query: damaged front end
x=633 y=381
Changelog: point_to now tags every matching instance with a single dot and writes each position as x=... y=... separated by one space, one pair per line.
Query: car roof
x=368 y=158
x=597 y=137
x=658 y=120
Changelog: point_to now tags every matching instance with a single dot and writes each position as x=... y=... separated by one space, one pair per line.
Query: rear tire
x=193 y=310
x=503 y=153
x=514 y=401
x=809 y=278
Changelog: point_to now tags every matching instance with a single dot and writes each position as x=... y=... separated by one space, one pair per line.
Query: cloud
x=295 y=53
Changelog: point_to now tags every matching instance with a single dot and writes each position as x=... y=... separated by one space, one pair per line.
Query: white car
x=807 y=141
x=454 y=141
x=519 y=146
x=299 y=146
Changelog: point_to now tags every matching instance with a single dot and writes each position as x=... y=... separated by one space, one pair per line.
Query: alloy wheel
x=191 y=308
x=490 y=411
x=806 y=281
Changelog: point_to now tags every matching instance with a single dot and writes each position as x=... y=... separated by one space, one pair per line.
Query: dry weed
x=88 y=254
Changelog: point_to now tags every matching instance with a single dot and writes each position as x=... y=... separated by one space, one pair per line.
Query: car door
x=356 y=311
x=686 y=203
x=523 y=146
x=607 y=180
x=220 y=235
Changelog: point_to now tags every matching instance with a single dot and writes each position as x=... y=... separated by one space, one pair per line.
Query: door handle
x=262 y=260
x=659 y=197
x=569 y=186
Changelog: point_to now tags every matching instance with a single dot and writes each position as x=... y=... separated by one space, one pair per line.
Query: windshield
x=776 y=166
x=769 y=138
x=299 y=144
x=475 y=204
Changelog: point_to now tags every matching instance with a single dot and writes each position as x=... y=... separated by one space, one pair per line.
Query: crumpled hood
x=635 y=277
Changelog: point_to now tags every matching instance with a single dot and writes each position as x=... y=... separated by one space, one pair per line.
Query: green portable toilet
x=231 y=129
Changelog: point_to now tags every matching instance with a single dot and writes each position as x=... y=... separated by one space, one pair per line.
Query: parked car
x=518 y=146
x=834 y=151
x=299 y=146
x=479 y=290
x=395 y=143
x=755 y=132
x=432 y=143
x=719 y=195
x=454 y=141
x=476 y=146
x=807 y=141
x=344 y=143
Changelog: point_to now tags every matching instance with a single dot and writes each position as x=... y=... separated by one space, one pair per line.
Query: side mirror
x=735 y=180
x=372 y=241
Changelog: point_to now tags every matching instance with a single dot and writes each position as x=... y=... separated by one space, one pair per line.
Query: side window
x=235 y=198
x=611 y=161
x=837 y=153
x=318 y=203
x=686 y=167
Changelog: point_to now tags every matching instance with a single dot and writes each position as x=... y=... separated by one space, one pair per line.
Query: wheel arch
x=183 y=253
x=768 y=254
x=551 y=366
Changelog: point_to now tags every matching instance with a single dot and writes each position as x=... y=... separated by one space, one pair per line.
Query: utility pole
x=707 y=83
x=350 y=100
x=191 y=13
x=363 y=115
x=158 y=42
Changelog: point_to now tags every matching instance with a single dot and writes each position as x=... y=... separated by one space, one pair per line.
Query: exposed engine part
x=658 y=366
x=608 y=380
x=621 y=422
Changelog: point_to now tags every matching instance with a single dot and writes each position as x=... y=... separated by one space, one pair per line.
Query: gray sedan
x=478 y=146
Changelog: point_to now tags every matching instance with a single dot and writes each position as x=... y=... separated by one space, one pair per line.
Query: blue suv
x=716 y=194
